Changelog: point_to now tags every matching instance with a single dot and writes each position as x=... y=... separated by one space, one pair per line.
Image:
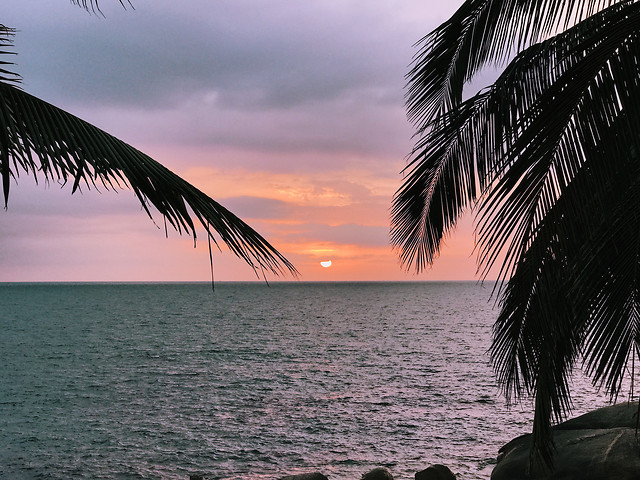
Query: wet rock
x=436 y=472
x=596 y=446
x=379 y=473
x=306 y=476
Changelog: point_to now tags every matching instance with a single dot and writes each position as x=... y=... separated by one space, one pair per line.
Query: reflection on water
x=160 y=381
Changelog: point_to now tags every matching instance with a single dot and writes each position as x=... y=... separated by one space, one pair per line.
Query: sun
x=326 y=263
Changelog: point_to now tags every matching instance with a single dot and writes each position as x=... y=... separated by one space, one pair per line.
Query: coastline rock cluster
x=598 y=445
x=306 y=476
x=380 y=473
x=435 y=472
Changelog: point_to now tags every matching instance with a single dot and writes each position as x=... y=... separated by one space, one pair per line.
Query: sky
x=289 y=113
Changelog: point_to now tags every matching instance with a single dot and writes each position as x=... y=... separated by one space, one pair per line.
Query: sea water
x=155 y=381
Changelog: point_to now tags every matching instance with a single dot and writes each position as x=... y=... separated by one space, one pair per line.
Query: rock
x=379 y=473
x=599 y=445
x=436 y=472
x=306 y=476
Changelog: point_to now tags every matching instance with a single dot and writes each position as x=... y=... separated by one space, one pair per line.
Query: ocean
x=252 y=381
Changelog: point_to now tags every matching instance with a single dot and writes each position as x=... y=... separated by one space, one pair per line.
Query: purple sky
x=289 y=113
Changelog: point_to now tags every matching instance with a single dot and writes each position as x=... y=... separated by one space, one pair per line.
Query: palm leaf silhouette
x=42 y=140
x=547 y=157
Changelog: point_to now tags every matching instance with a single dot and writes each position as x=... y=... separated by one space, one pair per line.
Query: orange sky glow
x=307 y=149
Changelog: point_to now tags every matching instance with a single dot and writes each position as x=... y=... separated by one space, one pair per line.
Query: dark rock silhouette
x=306 y=476
x=379 y=473
x=436 y=472
x=599 y=445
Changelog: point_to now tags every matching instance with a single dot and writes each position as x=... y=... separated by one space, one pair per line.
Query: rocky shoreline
x=434 y=472
x=601 y=444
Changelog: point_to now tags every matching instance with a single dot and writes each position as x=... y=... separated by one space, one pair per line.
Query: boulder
x=435 y=472
x=306 y=476
x=379 y=473
x=599 y=445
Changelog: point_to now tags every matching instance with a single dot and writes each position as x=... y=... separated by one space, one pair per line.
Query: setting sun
x=326 y=263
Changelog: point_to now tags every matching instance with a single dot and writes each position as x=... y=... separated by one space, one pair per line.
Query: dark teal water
x=128 y=381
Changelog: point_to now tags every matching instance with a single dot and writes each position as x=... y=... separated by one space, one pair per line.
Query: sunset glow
x=309 y=155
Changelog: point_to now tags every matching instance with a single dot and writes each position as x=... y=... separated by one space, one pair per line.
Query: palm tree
x=547 y=158
x=40 y=139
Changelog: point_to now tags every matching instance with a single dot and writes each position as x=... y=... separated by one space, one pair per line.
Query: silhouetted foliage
x=547 y=159
x=45 y=141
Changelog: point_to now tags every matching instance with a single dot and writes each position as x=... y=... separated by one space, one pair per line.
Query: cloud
x=280 y=76
x=354 y=125
x=257 y=207
x=26 y=198
x=345 y=234
x=250 y=55
x=288 y=113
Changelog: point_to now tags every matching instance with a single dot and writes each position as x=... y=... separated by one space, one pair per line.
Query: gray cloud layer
x=323 y=78
x=255 y=55
x=324 y=75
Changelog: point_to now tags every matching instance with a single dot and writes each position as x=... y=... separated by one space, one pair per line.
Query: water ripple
x=251 y=382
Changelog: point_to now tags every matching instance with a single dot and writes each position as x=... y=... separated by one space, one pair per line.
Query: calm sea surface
x=155 y=381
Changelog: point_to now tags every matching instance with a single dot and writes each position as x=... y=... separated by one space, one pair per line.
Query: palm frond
x=515 y=146
x=93 y=6
x=548 y=157
x=574 y=114
x=440 y=185
x=538 y=337
x=606 y=279
x=43 y=140
x=6 y=44
x=590 y=303
x=480 y=32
